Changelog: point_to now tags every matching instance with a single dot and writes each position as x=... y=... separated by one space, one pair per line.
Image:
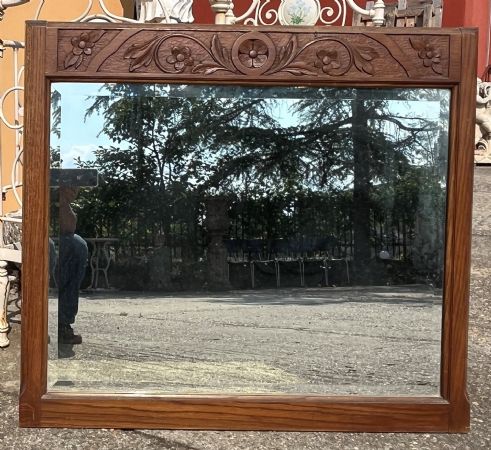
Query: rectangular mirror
x=246 y=240
x=220 y=231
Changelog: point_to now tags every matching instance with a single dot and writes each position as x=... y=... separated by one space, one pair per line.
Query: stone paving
x=11 y=437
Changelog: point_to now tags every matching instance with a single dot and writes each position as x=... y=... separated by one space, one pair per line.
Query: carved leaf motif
x=94 y=36
x=73 y=60
x=220 y=54
x=417 y=43
x=299 y=69
x=286 y=55
x=362 y=57
x=368 y=53
x=207 y=68
x=290 y=50
x=141 y=54
x=437 y=68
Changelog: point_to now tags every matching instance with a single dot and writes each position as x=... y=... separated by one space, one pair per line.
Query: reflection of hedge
x=136 y=274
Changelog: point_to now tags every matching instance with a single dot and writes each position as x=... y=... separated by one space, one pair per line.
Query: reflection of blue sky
x=81 y=135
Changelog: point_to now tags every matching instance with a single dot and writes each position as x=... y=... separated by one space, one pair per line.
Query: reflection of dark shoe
x=65 y=351
x=67 y=336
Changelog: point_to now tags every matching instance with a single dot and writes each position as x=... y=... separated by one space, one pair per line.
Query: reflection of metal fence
x=285 y=249
x=395 y=238
x=316 y=229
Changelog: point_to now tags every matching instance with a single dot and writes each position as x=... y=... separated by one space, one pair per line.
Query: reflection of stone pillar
x=217 y=222
x=160 y=269
x=428 y=236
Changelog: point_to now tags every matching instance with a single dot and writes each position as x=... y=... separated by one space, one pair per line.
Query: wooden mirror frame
x=429 y=58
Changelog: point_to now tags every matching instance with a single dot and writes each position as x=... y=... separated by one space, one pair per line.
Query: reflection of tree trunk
x=361 y=182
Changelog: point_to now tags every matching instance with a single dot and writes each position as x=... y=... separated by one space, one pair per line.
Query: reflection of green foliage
x=56 y=113
x=170 y=152
x=55 y=160
x=55 y=157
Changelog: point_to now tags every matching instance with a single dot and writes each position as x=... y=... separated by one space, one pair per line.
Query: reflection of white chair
x=285 y=251
x=10 y=251
x=100 y=260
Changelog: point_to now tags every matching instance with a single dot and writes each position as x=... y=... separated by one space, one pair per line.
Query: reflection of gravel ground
x=370 y=341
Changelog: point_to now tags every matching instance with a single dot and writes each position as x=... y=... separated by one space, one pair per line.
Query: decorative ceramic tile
x=299 y=12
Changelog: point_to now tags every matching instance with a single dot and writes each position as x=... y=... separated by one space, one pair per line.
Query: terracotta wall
x=12 y=28
x=471 y=13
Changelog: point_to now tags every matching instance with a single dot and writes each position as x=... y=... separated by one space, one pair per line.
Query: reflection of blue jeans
x=72 y=263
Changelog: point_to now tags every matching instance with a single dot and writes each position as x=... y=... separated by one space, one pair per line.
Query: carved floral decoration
x=253 y=53
x=81 y=47
x=327 y=60
x=430 y=55
x=180 y=57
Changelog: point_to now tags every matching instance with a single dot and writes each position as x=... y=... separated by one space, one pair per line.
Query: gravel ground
x=11 y=437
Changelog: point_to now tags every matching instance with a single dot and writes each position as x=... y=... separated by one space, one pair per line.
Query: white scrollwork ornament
x=9 y=3
x=4 y=4
x=165 y=11
x=295 y=12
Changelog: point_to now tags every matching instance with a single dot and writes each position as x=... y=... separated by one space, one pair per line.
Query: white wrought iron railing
x=296 y=12
x=12 y=121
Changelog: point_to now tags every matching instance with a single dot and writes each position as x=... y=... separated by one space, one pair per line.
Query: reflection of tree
x=343 y=162
x=385 y=153
x=55 y=127
x=169 y=152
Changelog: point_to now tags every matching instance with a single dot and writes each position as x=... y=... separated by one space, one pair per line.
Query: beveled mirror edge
x=450 y=413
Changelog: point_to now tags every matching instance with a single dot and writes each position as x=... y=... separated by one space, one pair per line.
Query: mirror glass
x=235 y=239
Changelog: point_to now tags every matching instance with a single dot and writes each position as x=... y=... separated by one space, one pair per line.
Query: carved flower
x=180 y=57
x=82 y=46
x=253 y=53
x=430 y=55
x=327 y=60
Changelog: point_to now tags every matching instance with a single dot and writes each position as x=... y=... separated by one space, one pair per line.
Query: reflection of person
x=72 y=263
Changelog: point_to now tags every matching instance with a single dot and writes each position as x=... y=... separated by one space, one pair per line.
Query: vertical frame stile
x=35 y=243
x=459 y=414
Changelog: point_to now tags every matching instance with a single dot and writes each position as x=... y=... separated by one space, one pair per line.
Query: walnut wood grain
x=218 y=53
x=292 y=56
x=35 y=229
x=461 y=173
x=285 y=413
